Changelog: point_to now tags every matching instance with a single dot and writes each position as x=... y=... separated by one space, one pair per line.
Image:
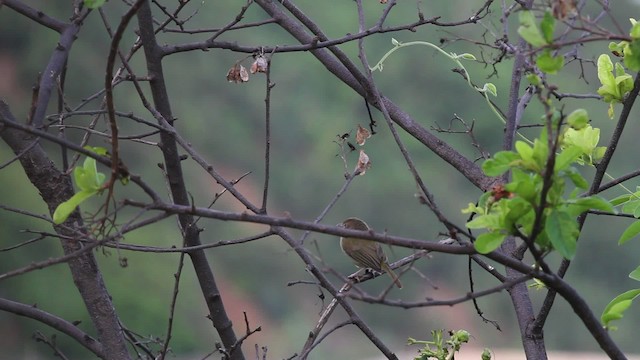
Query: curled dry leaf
x=363 y=163
x=362 y=135
x=499 y=192
x=562 y=9
x=259 y=65
x=237 y=74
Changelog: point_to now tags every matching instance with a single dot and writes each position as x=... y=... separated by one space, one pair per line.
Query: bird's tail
x=393 y=275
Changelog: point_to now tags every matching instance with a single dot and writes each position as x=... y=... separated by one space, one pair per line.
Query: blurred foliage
x=225 y=122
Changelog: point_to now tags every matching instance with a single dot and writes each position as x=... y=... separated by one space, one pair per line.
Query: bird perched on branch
x=365 y=253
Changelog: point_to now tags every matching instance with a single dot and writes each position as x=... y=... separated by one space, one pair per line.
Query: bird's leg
x=357 y=276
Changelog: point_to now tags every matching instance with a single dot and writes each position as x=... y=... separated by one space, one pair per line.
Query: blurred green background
x=225 y=123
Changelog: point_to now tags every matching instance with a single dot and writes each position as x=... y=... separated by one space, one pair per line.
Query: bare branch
x=55 y=322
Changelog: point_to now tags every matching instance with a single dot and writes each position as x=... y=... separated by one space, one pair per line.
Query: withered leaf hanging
x=259 y=65
x=363 y=163
x=237 y=74
x=362 y=135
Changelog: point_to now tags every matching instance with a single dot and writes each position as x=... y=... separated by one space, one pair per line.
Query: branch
x=371 y=89
x=431 y=302
x=595 y=188
x=324 y=282
x=55 y=322
x=7 y=121
x=54 y=188
x=116 y=167
x=465 y=166
x=35 y=15
x=173 y=167
x=615 y=137
x=306 y=225
x=51 y=72
x=577 y=303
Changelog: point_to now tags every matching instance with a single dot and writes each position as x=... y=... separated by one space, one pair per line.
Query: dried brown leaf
x=363 y=163
x=237 y=74
x=562 y=9
x=259 y=65
x=362 y=135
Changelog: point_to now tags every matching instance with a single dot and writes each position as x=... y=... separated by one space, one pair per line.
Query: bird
x=365 y=253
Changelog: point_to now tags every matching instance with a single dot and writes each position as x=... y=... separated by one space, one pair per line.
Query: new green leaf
x=487 y=242
x=615 y=308
x=578 y=119
x=94 y=4
x=547 y=25
x=562 y=231
x=549 y=64
x=630 y=232
x=635 y=274
x=500 y=163
x=66 y=208
x=529 y=30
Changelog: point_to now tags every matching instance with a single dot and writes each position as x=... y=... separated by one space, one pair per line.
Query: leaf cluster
x=88 y=180
x=513 y=209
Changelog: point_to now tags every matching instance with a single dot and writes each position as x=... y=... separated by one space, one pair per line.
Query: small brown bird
x=366 y=253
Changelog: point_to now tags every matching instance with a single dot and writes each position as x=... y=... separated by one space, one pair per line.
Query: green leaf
x=472 y=209
x=484 y=198
x=540 y=153
x=632 y=55
x=594 y=202
x=488 y=221
x=524 y=184
x=619 y=200
x=617 y=47
x=467 y=56
x=578 y=119
x=517 y=209
x=93 y=4
x=96 y=149
x=562 y=231
x=615 y=308
x=624 y=81
x=491 y=89
x=500 y=163
x=577 y=178
x=529 y=30
x=567 y=157
x=608 y=90
x=547 y=25
x=534 y=79
x=624 y=198
x=635 y=274
x=83 y=181
x=631 y=206
x=635 y=29
x=630 y=232
x=65 y=209
x=548 y=63
x=487 y=242
x=598 y=154
x=578 y=206
x=524 y=150
x=586 y=139
x=87 y=177
x=610 y=111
